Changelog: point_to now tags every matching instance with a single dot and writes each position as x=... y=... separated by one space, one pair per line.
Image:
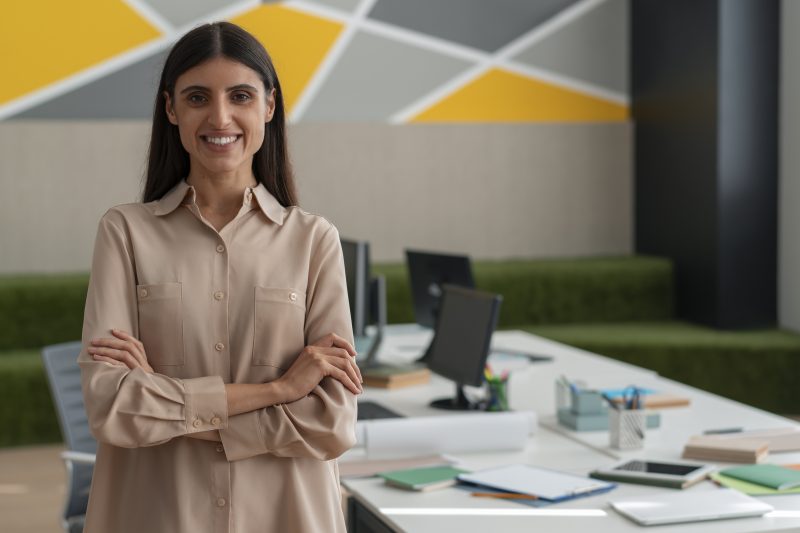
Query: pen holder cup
x=497 y=394
x=626 y=428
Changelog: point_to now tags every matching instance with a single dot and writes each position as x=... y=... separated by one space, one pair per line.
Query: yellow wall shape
x=45 y=41
x=296 y=42
x=502 y=96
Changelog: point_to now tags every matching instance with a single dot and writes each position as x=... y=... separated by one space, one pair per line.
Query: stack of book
x=716 y=448
x=742 y=446
x=395 y=377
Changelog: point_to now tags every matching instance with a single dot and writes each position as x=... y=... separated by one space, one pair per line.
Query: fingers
x=342 y=376
x=109 y=360
x=332 y=339
x=350 y=368
x=125 y=343
x=138 y=351
x=102 y=353
x=344 y=355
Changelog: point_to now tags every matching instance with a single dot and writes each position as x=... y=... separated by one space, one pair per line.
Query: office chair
x=64 y=378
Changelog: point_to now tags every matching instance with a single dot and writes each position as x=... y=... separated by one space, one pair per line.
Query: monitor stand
x=459 y=403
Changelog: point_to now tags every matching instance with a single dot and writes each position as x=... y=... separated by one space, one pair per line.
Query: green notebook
x=771 y=476
x=427 y=478
x=750 y=489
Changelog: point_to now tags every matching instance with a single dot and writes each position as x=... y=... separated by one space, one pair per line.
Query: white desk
x=532 y=388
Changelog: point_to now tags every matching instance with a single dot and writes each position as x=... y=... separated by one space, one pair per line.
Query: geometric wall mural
x=397 y=61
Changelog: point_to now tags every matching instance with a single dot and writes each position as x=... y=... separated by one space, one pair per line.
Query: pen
x=722 y=431
x=610 y=401
x=586 y=490
x=505 y=495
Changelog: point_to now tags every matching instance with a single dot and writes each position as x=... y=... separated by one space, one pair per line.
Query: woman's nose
x=220 y=114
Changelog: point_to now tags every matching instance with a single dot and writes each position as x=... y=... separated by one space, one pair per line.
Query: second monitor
x=467 y=320
x=428 y=272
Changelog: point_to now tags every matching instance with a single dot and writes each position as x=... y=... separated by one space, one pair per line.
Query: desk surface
x=531 y=387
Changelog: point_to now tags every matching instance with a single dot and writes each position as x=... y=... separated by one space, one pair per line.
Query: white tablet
x=661 y=473
x=693 y=506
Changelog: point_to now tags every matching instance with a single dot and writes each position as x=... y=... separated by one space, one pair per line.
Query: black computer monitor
x=467 y=319
x=427 y=272
x=367 y=298
x=356 y=271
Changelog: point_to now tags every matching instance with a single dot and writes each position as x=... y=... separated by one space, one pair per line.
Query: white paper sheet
x=473 y=432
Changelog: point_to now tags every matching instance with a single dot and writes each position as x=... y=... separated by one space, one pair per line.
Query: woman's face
x=221 y=108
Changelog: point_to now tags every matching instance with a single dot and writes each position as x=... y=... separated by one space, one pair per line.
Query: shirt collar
x=184 y=193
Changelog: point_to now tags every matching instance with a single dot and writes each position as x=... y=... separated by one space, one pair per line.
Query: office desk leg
x=362 y=520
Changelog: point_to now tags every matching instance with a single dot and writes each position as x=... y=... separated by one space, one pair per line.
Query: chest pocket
x=278 y=336
x=161 y=323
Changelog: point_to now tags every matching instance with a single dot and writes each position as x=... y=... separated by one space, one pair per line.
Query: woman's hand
x=123 y=350
x=329 y=356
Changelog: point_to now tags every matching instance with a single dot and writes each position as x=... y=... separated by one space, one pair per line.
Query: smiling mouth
x=221 y=141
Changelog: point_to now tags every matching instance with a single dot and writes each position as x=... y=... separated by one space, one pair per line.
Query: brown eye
x=196 y=99
x=241 y=97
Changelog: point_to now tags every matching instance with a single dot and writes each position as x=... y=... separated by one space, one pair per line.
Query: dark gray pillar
x=705 y=106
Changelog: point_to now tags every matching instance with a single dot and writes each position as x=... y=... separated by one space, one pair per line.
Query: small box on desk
x=585 y=409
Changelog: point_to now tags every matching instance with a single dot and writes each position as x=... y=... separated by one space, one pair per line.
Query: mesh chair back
x=64 y=377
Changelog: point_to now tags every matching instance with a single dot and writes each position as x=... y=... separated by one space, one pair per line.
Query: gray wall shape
x=126 y=94
x=180 y=12
x=376 y=77
x=344 y=5
x=592 y=48
x=482 y=24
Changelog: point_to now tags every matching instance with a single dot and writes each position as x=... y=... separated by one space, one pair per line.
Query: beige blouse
x=235 y=306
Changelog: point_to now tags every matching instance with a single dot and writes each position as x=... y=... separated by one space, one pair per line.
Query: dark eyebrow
x=229 y=89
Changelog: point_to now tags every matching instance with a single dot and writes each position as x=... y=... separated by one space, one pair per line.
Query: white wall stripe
x=501 y=59
x=331 y=58
x=354 y=22
x=152 y=16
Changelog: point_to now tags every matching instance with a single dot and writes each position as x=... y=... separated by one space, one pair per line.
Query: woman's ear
x=270 y=106
x=169 y=109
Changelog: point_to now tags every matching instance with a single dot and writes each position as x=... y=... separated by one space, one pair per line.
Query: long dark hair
x=168 y=162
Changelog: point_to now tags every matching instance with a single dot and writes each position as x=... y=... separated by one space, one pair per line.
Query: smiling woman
x=218 y=368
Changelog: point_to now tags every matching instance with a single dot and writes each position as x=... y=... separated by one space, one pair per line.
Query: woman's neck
x=220 y=194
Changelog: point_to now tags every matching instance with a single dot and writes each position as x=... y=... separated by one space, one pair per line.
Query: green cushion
x=558 y=291
x=759 y=368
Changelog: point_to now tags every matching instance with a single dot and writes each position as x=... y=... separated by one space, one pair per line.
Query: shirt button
x=219 y=295
x=220 y=448
x=220 y=248
x=219 y=347
x=215 y=421
x=143 y=293
x=197 y=422
x=293 y=296
x=220 y=502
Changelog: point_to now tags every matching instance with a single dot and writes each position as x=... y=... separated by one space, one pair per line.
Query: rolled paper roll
x=473 y=432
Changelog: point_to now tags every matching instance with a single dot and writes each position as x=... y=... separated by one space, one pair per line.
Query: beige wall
x=489 y=190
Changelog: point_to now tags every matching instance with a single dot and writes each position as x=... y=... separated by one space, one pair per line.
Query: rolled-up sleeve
x=322 y=424
x=132 y=408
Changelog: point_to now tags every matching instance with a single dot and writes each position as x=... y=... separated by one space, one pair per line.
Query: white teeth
x=221 y=141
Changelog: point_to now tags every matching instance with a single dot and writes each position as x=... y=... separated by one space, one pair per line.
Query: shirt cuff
x=206 y=404
x=242 y=438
